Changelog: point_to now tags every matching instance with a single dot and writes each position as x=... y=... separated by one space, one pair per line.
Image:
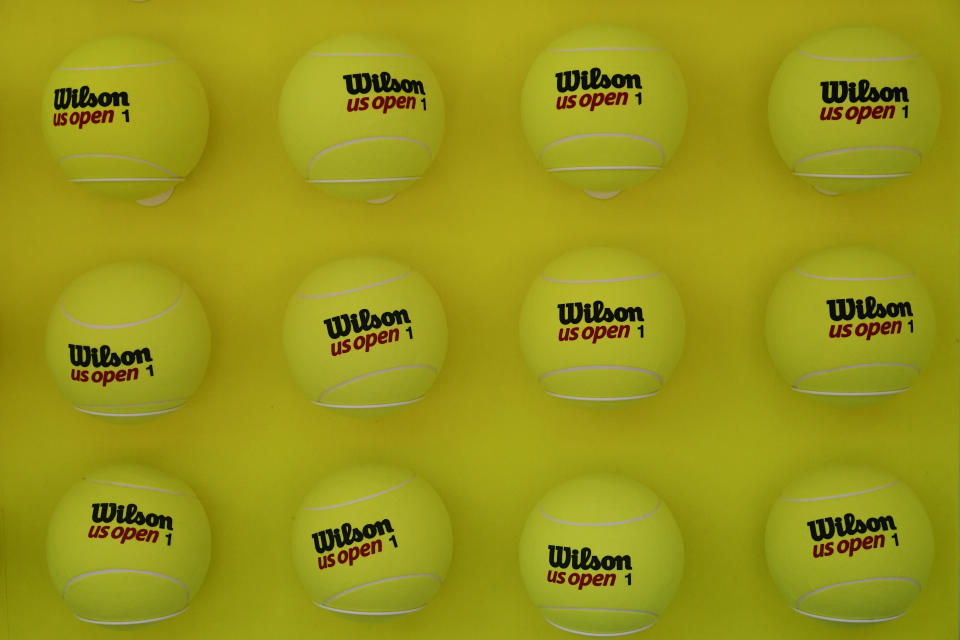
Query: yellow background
x=724 y=220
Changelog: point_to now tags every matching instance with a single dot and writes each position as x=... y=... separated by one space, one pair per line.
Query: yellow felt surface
x=724 y=220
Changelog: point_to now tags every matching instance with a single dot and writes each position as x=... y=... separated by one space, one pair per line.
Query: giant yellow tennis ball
x=604 y=107
x=128 y=545
x=128 y=341
x=365 y=335
x=602 y=326
x=125 y=117
x=849 y=544
x=850 y=324
x=853 y=108
x=601 y=555
x=361 y=117
x=372 y=541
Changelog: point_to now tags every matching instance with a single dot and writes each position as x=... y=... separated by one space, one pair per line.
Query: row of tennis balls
x=599 y=326
x=603 y=107
x=600 y=554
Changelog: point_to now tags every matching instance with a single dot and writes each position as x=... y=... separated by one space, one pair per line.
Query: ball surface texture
x=602 y=326
x=851 y=325
x=128 y=341
x=372 y=541
x=365 y=335
x=604 y=108
x=853 y=108
x=847 y=543
x=601 y=555
x=125 y=117
x=128 y=545
x=361 y=117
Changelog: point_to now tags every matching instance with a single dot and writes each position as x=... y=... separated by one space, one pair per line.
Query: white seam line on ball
x=630 y=136
x=180 y=402
x=113 y=156
x=842 y=495
x=103 y=572
x=847 y=620
x=121 y=66
x=385 y=405
x=836 y=152
x=347 y=143
x=333 y=294
x=599 y=524
x=126 y=325
x=602 y=367
x=111 y=623
x=851 y=394
x=601 y=635
x=579 y=49
x=381 y=581
x=370 y=613
x=143 y=487
x=591 y=399
x=364 y=498
x=376 y=373
x=359 y=54
x=143 y=414
x=860 y=581
x=834 y=59
x=842 y=279
x=600 y=280
x=849 y=367
x=853 y=176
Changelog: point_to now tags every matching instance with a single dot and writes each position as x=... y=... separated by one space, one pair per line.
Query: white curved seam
x=601 y=280
x=355 y=289
x=860 y=581
x=847 y=620
x=835 y=59
x=364 y=498
x=615 y=399
x=102 y=572
x=853 y=176
x=385 y=405
x=582 y=136
x=88 y=325
x=599 y=524
x=851 y=394
x=854 y=366
x=601 y=635
x=114 y=156
x=841 y=279
x=121 y=66
x=131 y=622
x=578 y=49
x=128 y=485
x=835 y=152
x=144 y=414
x=376 y=373
x=841 y=495
x=370 y=613
x=825 y=192
x=360 y=180
x=359 y=54
x=602 y=367
x=182 y=401
x=381 y=581
x=347 y=143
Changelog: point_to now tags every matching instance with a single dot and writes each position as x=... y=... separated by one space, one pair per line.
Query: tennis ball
x=849 y=544
x=604 y=107
x=361 y=117
x=851 y=325
x=128 y=545
x=602 y=326
x=601 y=555
x=365 y=335
x=853 y=109
x=125 y=117
x=128 y=341
x=372 y=541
